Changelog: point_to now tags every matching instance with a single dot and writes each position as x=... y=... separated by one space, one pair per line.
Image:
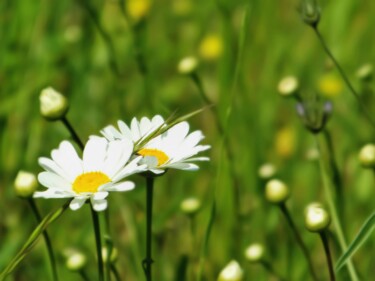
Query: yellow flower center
x=160 y=155
x=90 y=182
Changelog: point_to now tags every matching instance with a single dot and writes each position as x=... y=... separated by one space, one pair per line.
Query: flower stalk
x=328 y=183
x=298 y=238
x=98 y=242
x=327 y=251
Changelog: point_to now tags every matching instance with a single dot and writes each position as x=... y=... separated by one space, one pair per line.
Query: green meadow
x=118 y=59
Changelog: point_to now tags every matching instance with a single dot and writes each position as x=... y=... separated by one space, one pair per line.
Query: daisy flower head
x=174 y=148
x=137 y=131
x=102 y=168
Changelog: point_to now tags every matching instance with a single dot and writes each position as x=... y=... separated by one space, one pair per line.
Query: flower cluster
x=148 y=145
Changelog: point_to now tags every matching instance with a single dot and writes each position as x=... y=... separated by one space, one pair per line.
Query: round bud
x=232 y=272
x=288 y=86
x=365 y=72
x=316 y=218
x=254 y=253
x=367 y=156
x=53 y=105
x=266 y=171
x=76 y=261
x=187 y=65
x=114 y=255
x=25 y=184
x=277 y=191
x=190 y=206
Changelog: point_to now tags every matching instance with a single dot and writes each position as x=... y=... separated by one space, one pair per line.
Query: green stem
x=46 y=239
x=115 y=272
x=324 y=238
x=98 y=241
x=328 y=187
x=84 y=275
x=147 y=262
x=268 y=267
x=299 y=240
x=343 y=75
x=72 y=132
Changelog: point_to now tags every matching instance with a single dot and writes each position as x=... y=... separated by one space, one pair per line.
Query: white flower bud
x=190 y=205
x=316 y=217
x=367 y=156
x=114 y=255
x=266 y=171
x=76 y=261
x=25 y=184
x=187 y=65
x=53 y=105
x=232 y=272
x=288 y=86
x=276 y=191
x=254 y=253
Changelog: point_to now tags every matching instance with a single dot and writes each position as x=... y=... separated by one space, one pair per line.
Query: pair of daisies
x=108 y=160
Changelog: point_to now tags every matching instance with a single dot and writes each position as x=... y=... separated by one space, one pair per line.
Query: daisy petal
x=124 y=129
x=183 y=166
x=67 y=158
x=110 y=133
x=50 y=193
x=94 y=154
x=99 y=205
x=122 y=186
x=100 y=195
x=77 y=202
x=53 y=181
x=52 y=167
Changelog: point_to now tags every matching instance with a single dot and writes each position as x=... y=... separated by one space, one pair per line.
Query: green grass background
x=36 y=52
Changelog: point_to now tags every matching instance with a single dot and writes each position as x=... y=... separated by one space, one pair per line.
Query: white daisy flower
x=138 y=129
x=103 y=166
x=174 y=148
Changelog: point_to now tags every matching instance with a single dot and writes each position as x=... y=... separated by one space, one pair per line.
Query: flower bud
x=187 y=65
x=288 y=86
x=114 y=255
x=76 y=261
x=276 y=191
x=232 y=272
x=53 y=105
x=254 y=253
x=316 y=217
x=367 y=156
x=365 y=72
x=138 y=9
x=310 y=12
x=266 y=171
x=25 y=184
x=190 y=206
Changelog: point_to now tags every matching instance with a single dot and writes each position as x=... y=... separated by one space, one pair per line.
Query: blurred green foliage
x=113 y=66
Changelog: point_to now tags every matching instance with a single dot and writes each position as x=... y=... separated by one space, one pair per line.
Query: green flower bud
x=367 y=156
x=310 y=12
x=76 y=261
x=288 y=86
x=53 y=105
x=276 y=191
x=25 y=184
x=254 y=253
x=114 y=255
x=187 y=65
x=317 y=218
x=232 y=272
x=365 y=72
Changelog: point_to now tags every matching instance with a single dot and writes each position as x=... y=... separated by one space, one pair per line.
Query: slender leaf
x=30 y=243
x=361 y=237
